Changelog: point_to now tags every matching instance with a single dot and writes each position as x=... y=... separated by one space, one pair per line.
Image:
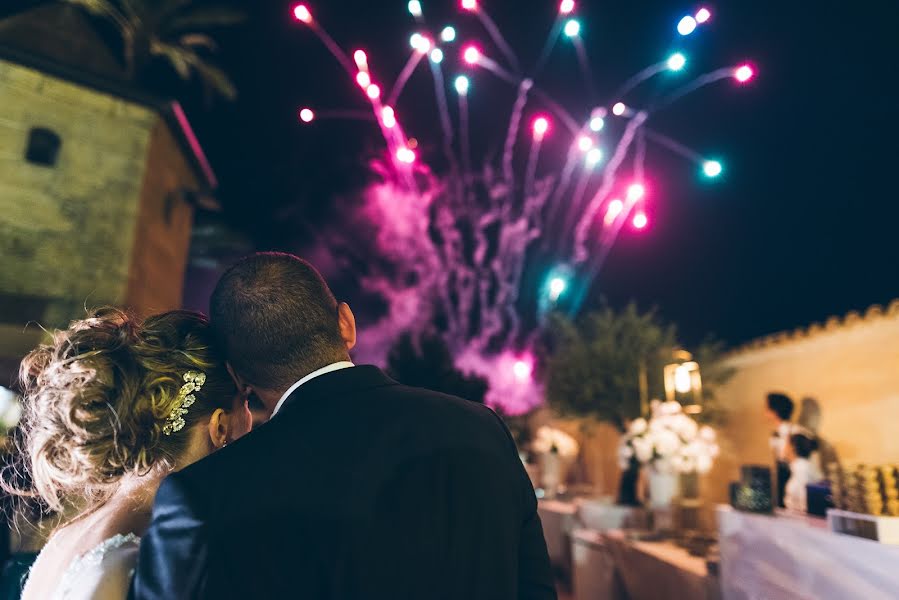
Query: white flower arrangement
x=549 y=438
x=670 y=442
x=10 y=409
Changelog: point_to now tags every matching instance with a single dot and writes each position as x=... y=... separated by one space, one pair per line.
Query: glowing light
x=744 y=73
x=635 y=192
x=597 y=123
x=683 y=381
x=712 y=168
x=522 y=370
x=306 y=115
x=541 y=126
x=373 y=91
x=686 y=26
x=405 y=155
x=566 y=7
x=703 y=15
x=414 y=8
x=676 y=61
x=361 y=59
x=557 y=286
x=615 y=208
x=572 y=28
x=640 y=220
x=471 y=55
x=436 y=56
x=388 y=117
x=448 y=34
x=415 y=40
x=469 y=4
x=584 y=143
x=619 y=109
x=594 y=155
x=363 y=79
x=301 y=13
x=461 y=84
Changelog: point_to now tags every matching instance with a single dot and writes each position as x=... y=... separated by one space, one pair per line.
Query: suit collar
x=334 y=384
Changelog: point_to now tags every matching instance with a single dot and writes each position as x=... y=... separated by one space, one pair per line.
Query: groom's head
x=279 y=321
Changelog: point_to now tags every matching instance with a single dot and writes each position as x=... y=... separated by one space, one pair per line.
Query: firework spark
x=458 y=244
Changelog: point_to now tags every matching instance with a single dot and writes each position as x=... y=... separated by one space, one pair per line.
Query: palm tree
x=168 y=29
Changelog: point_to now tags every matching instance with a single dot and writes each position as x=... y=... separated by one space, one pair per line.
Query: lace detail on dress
x=92 y=558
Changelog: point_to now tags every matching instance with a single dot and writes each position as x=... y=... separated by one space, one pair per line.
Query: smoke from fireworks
x=450 y=251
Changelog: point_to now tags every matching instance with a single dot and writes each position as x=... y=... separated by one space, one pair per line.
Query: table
x=559 y=518
x=799 y=558
x=609 y=565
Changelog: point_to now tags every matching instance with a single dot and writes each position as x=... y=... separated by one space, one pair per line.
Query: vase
x=627 y=486
x=553 y=469
x=663 y=487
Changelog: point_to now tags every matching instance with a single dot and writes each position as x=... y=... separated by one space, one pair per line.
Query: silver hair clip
x=193 y=382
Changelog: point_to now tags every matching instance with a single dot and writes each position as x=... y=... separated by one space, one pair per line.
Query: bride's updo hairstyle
x=101 y=400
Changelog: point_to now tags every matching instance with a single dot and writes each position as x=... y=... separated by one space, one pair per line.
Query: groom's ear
x=243 y=387
x=346 y=320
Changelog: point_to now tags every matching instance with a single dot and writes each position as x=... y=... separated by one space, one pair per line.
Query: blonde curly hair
x=98 y=396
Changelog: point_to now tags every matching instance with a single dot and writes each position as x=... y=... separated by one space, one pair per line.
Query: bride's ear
x=219 y=428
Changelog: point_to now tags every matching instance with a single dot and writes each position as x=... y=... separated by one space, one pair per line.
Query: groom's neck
x=270 y=397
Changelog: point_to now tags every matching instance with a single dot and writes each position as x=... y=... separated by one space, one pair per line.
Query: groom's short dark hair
x=276 y=318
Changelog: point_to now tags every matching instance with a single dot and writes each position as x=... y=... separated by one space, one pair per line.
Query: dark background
x=800 y=227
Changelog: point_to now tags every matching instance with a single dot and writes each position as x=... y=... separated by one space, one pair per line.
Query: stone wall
x=163 y=228
x=849 y=366
x=108 y=223
x=66 y=231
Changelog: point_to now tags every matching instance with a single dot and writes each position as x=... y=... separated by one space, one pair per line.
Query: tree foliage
x=594 y=364
x=172 y=30
x=426 y=362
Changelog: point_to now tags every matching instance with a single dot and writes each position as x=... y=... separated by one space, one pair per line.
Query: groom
x=358 y=487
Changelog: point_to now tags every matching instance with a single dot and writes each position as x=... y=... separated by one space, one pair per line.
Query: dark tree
x=426 y=362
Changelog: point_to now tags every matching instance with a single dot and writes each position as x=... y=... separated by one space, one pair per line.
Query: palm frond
x=217 y=79
x=198 y=40
x=177 y=56
x=101 y=8
x=205 y=18
x=185 y=60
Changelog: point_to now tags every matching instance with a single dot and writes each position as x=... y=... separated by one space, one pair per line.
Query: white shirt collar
x=344 y=364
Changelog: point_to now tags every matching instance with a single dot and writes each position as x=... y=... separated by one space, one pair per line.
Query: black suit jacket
x=358 y=488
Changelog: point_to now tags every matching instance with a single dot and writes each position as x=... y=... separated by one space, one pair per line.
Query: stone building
x=99 y=182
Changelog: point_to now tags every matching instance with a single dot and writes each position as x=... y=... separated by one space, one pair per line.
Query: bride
x=112 y=407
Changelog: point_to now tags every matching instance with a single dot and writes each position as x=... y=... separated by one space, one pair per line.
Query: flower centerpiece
x=670 y=443
x=10 y=413
x=557 y=451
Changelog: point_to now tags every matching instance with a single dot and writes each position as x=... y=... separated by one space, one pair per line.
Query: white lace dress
x=102 y=573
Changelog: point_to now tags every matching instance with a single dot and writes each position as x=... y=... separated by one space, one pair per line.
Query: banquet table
x=786 y=557
x=609 y=565
x=559 y=518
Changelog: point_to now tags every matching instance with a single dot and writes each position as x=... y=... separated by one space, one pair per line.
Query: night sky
x=802 y=226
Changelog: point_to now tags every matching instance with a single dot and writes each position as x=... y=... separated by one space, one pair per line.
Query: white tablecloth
x=559 y=519
x=609 y=566
x=774 y=558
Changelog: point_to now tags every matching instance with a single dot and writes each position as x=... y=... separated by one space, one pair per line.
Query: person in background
x=802 y=471
x=780 y=411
